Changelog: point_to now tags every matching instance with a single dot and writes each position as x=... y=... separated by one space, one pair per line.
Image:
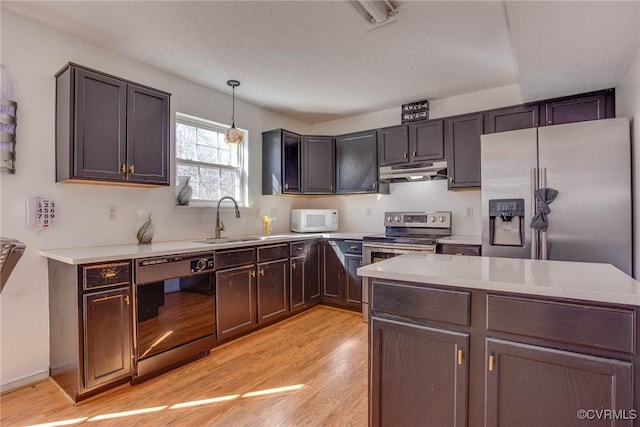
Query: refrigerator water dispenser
x=506 y=222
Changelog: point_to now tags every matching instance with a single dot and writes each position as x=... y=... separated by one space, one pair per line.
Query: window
x=215 y=168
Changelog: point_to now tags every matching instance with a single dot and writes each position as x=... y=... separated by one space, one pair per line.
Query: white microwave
x=314 y=220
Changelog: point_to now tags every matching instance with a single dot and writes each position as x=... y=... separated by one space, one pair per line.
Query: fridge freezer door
x=508 y=160
x=589 y=163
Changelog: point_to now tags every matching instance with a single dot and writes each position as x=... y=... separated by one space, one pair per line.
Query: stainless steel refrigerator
x=588 y=163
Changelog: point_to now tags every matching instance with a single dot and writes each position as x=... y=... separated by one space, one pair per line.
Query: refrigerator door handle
x=543 y=234
x=534 y=232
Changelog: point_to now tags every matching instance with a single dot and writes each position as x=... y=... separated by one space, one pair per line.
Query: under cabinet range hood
x=426 y=171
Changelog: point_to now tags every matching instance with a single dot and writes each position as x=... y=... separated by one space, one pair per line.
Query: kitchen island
x=474 y=341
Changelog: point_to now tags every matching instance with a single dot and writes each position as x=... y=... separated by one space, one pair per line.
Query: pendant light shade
x=233 y=136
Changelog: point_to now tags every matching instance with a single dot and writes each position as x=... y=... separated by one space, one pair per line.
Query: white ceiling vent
x=375 y=12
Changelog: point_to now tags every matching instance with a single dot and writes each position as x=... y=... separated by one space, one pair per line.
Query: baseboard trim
x=23 y=382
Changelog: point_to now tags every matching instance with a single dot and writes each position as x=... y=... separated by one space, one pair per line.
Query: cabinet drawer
x=102 y=275
x=298 y=249
x=351 y=246
x=439 y=305
x=460 y=249
x=234 y=257
x=585 y=325
x=270 y=253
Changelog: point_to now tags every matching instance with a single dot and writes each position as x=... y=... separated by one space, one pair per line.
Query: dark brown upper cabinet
x=281 y=160
x=319 y=164
x=393 y=145
x=511 y=118
x=414 y=143
x=463 y=142
x=578 y=108
x=426 y=141
x=110 y=130
x=357 y=164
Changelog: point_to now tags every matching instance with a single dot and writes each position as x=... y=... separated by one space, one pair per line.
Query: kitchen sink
x=213 y=241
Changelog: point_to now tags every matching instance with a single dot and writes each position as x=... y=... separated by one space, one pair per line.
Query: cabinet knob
x=373 y=184
x=132 y=169
x=123 y=168
x=413 y=154
x=451 y=179
x=286 y=186
x=405 y=154
x=293 y=265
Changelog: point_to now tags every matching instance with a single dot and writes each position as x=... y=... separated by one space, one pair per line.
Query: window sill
x=226 y=205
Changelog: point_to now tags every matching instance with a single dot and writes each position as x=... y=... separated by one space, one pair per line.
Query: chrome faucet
x=220 y=224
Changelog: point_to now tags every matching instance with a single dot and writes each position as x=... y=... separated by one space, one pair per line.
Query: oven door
x=376 y=252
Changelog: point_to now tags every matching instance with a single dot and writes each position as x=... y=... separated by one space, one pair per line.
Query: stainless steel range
x=404 y=232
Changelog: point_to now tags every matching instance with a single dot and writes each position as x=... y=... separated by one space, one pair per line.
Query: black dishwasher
x=175 y=311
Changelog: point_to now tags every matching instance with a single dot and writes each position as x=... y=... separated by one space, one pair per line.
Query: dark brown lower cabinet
x=273 y=290
x=418 y=374
x=107 y=336
x=90 y=327
x=535 y=386
x=332 y=272
x=312 y=272
x=444 y=356
x=341 y=285
x=235 y=301
x=353 y=294
x=297 y=298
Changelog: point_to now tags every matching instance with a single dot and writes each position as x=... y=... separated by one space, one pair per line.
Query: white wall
x=628 y=105
x=426 y=195
x=32 y=55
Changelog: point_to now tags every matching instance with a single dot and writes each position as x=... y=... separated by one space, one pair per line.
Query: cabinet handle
x=253 y=273
x=491 y=362
x=373 y=184
x=405 y=154
x=132 y=169
x=108 y=273
x=286 y=186
x=451 y=179
x=293 y=265
x=413 y=154
x=126 y=299
x=459 y=253
x=262 y=272
x=459 y=357
x=108 y=298
x=123 y=168
x=331 y=187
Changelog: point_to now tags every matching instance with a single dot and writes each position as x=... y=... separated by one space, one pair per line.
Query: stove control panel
x=418 y=219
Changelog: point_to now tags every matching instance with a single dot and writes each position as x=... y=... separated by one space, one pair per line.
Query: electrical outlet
x=369 y=212
x=468 y=212
x=274 y=213
x=112 y=213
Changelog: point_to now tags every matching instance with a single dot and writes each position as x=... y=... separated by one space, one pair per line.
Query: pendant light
x=233 y=136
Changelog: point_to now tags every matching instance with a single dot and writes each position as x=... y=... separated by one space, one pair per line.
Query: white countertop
x=131 y=251
x=562 y=279
x=462 y=239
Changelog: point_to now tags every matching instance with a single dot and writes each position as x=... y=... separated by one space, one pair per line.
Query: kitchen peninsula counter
x=561 y=279
x=471 y=341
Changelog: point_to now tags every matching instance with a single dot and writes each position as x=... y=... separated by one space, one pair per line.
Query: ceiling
x=319 y=60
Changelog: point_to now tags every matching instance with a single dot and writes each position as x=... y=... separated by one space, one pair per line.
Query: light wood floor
x=323 y=352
